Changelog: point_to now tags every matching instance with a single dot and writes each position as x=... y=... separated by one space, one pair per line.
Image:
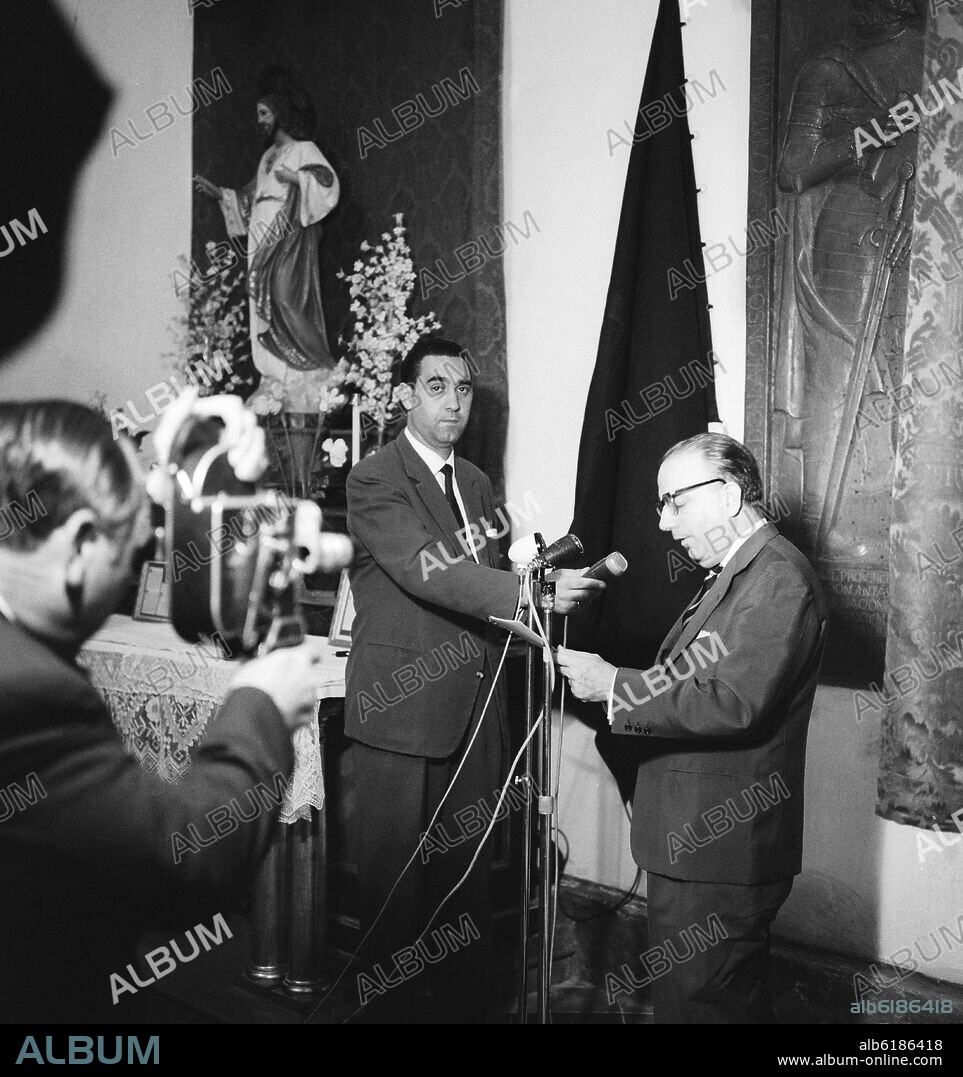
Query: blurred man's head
x=709 y=491
x=72 y=514
x=436 y=392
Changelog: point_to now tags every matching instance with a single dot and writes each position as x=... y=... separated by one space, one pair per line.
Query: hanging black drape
x=652 y=384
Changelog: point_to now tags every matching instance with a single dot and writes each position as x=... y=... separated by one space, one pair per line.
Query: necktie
x=711 y=576
x=450 y=495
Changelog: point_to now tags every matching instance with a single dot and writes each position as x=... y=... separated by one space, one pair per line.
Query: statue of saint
x=281 y=211
x=849 y=163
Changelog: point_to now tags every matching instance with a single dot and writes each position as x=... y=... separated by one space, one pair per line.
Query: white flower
x=337 y=451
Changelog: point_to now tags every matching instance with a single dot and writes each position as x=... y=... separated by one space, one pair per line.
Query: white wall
x=131 y=218
x=575 y=70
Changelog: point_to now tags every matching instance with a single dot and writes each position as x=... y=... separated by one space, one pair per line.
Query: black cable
x=626 y=897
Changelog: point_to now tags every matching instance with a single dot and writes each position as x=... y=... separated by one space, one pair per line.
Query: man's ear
x=76 y=534
x=734 y=499
x=405 y=392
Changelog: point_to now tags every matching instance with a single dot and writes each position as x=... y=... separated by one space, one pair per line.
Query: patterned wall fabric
x=921 y=770
x=408 y=95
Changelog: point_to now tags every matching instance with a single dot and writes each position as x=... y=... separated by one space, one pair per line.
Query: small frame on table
x=343 y=616
x=154 y=593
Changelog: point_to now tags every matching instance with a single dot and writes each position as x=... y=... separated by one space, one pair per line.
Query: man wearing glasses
x=722 y=720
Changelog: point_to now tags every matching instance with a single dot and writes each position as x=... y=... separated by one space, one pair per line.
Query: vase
x=292 y=439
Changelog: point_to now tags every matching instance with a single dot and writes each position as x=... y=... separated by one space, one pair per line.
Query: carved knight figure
x=848 y=157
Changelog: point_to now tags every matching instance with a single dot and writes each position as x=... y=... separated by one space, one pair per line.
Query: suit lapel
x=431 y=494
x=740 y=560
x=471 y=495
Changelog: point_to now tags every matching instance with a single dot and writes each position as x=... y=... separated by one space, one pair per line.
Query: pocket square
x=703 y=634
x=492 y=532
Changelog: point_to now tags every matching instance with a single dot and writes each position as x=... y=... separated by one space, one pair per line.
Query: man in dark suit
x=722 y=721
x=86 y=838
x=419 y=675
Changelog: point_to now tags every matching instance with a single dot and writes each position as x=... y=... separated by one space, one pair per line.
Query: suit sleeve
x=381 y=517
x=725 y=684
x=173 y=849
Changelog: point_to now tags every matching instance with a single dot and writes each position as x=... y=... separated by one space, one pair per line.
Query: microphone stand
x=536 y=576
x=539 y=751
x=546 y=816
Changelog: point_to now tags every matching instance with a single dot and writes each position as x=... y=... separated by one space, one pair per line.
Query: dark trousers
x=440 y=975
x=713 y=962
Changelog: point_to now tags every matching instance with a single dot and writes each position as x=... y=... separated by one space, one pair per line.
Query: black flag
x=653 y=383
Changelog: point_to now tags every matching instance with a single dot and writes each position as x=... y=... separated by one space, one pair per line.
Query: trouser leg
x=711 y=964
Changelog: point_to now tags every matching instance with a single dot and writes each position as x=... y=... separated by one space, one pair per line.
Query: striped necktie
x=711 y=576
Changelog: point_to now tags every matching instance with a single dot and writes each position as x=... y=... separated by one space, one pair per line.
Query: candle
x=355 y=430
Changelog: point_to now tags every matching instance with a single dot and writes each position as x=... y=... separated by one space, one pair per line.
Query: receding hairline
x=445 y=360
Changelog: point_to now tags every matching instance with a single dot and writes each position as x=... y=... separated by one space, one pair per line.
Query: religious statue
x=281 y=211
x=848 y=158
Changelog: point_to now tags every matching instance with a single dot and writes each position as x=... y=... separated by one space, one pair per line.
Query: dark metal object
x=267 y=963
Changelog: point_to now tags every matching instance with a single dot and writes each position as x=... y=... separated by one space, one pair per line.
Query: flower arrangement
x=212 y=342
x=381 y=288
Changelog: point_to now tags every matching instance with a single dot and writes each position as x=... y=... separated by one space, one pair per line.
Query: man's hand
x=588 y=675
x=242 y=435
x=290 y=676
x=572 y=589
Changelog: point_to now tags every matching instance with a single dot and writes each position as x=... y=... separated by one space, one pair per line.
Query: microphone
x=524 y=550
x=561 y=552
x=531 y=550
x=608 y=568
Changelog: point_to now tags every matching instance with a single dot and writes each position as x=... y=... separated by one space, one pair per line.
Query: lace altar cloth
x=162 y=692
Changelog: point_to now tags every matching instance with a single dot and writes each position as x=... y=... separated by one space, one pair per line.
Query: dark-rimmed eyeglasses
x=668 y=500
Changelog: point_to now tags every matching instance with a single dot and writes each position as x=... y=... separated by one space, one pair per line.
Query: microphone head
x=616 y=564
x=564 y=550
x=523 y=551
x=608 y=568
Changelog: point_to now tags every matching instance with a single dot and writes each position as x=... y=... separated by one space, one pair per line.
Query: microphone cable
x=421 y=840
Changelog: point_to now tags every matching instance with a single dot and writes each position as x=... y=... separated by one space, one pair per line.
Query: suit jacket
x=723 y=723
x=421 y=647
x=86 y=834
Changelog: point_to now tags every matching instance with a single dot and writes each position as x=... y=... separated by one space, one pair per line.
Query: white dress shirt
x=435 y=463
x=6 y=611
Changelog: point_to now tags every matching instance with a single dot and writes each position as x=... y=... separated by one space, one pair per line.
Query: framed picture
x=343 y=616
x=154 y=593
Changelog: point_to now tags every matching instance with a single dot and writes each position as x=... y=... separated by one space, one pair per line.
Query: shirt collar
x=740 y=540
x=6 y=611
x=434 y=461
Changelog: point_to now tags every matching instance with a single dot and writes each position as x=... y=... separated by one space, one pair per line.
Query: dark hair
x=57 y=457
x=731 y=458
x=409 y=369
x=280 y=91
